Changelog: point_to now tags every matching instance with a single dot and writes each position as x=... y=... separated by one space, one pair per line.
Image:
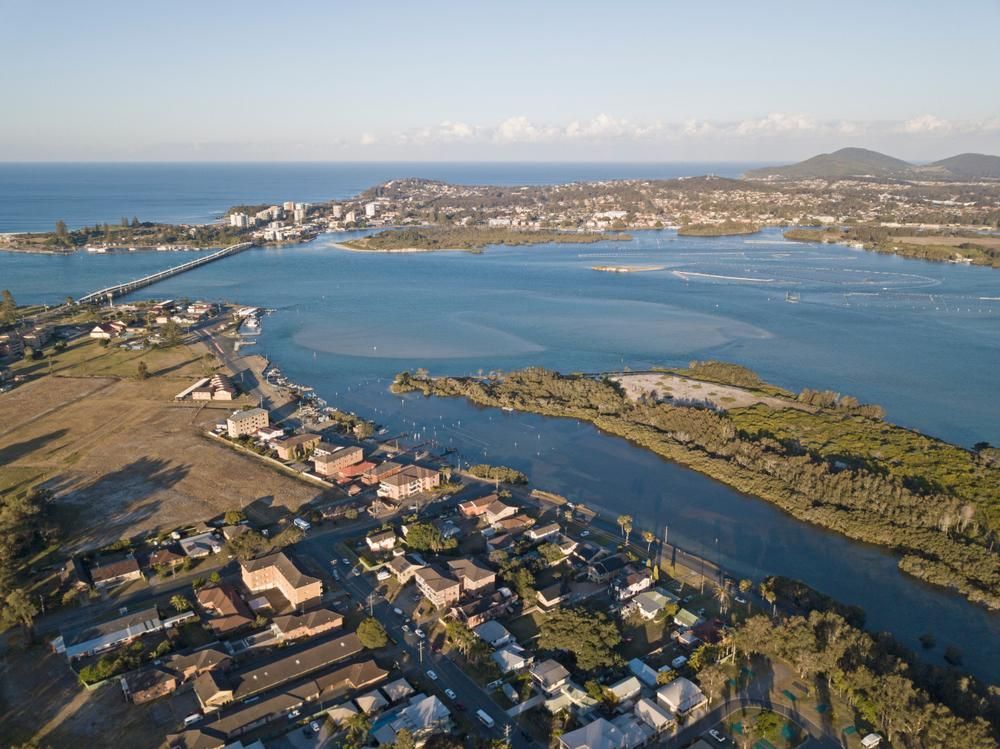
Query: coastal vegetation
x=469 y=238
x=836 y=464
x=722 y=229
x=124 y=235
x=917 y=707
x=976 y=249
x=502 y=474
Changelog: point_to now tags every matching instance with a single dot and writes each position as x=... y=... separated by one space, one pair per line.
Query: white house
x=494 y=633
x=681 y=696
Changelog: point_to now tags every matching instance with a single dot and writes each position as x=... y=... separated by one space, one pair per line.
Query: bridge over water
x=127 y=287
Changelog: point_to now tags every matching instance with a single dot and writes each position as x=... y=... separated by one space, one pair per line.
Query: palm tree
x=180 y=603
x=648 y=537
x=625 y=522
x=722 y=596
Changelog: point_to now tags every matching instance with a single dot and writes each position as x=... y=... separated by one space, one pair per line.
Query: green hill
x=860 y=162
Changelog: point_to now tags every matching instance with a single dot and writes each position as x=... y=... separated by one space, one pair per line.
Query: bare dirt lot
x=121 y=455
x=40 y=699
x=689 y=390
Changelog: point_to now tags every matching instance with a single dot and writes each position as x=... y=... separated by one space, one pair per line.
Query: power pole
x=371 y=603
x=506 y=733
x=420 y=650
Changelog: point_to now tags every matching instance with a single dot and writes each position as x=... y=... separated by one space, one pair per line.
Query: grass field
x=121 y=456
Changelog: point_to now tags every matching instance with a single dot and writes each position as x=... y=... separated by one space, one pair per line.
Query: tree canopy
x=590 y=636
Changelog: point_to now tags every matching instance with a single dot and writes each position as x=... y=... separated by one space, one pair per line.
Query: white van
x=192 y=719
x=484 y=718
x=302 y=523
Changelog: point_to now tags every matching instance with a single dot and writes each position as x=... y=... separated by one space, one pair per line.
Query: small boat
x=792 y=297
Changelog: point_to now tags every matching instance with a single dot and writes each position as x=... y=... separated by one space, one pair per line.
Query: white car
x=397 y=612
x=406 y=628
x=383 y=575
x=346 y=561
x=584 y=533
x=419 y=633
x=717 y=736
x=314 y=726
x=334 y=562
x=294 y=714
x=451 y=694
x=432 y=676
x=740 y=599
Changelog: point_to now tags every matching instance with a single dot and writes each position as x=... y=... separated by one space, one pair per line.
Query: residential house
x=397 y=690
x=512 y=657
x=330 y=462
x=643 y=671
x=598 y=734
x=474 y=578
x=437 y=586
x=89 y=639
x=484 y=608
x=655 y=716
x=407 y=482
x=166 y=558
x=685 y=618
x=148 y=684
x=422 y=716
x=681 y=696
x=201 y=545
x=296 y=446
x=280 y=572
x=191 y=665
x=115 y=573
x=493 y=633
x=650 y=603
x=381 y=472
x=602 y=571
x=310 y=624
x=405 y=567
x=630 y=582
x=550 y=675
x=371 y=702
x=513 y=525
x=246 y=422
x=225 y=611
x=473 y=508
x=627 y=689
x=634 y=731
x=256 y=678
x=104 y=331
x=497 y=510
x=215 y=734
x=551 y=595
x=543 y=532
x=381 y=540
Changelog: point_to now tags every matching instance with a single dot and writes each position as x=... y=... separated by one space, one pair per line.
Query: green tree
x=372 y=634
x=648 y=537
x=180 y=603
x=625 y=523
x=591 y=637
x=172 y=333
x=404 y=739
x=426 y=537
x=61 y=231
x=8 y=308
x=18 y=608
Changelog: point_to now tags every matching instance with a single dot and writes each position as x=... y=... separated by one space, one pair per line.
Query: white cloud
x=927 y=123
x=772 y=128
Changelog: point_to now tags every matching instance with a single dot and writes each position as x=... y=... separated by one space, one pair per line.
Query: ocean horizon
x=35 y=195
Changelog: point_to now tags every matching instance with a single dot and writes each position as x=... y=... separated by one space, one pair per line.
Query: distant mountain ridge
x=861 y=162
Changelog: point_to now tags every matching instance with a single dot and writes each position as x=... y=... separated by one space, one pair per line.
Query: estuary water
x=922 y=339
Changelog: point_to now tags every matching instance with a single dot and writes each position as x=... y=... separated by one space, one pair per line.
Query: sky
x=496 y=81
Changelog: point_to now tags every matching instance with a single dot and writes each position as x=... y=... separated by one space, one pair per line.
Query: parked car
x=717 y=736
x=398 y=612
x=314 y=726
x=346 y=561
x=450 y=694
x=294 y=714
x=383 y=575
x=419 y=633
x=740 y=599
x=432 y=676
x=406 y=628
x=584 y=533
